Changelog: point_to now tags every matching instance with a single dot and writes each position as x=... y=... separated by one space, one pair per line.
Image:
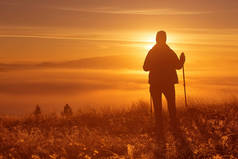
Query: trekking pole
x=151 y=107
x=184 y=86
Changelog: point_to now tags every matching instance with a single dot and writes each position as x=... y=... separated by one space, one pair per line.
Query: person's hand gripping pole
x=182 y=59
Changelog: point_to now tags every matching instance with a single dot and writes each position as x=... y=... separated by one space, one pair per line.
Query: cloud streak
x=151 y=12
x=61 y=82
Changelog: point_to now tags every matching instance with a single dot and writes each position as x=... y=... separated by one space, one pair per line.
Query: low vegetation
x=211 y=131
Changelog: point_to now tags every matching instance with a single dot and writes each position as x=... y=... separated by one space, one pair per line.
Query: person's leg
x=180 y=142
x=156 y=95
x=169 y=93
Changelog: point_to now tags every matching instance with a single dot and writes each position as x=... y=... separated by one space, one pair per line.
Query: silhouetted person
x=162 y=63
x=37 y=111
x=67 y=111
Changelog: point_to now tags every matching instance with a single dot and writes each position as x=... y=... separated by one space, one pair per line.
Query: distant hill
x=103 y=62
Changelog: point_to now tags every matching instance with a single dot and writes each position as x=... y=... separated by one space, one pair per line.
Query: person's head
x=161 y=37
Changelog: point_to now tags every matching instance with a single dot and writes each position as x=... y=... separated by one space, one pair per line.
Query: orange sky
x=72 y=29
x=102 y=44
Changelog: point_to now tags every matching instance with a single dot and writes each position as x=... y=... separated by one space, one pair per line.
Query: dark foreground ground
x=209 y=131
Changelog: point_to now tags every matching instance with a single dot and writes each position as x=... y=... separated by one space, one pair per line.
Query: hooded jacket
x=162 y=62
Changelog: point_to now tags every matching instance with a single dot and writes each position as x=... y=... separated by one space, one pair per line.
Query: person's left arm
x=178 y=62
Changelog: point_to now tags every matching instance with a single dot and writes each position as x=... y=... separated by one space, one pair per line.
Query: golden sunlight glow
x=149 y=39
x=93 y=48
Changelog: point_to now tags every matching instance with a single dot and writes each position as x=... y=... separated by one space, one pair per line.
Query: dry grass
x=210 y=132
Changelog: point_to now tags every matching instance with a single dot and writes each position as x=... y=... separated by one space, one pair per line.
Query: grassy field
x=210 y=131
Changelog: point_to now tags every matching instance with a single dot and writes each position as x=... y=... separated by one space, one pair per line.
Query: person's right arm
x=147 y=63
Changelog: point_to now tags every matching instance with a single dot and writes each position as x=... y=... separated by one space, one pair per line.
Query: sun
x=149 y=41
